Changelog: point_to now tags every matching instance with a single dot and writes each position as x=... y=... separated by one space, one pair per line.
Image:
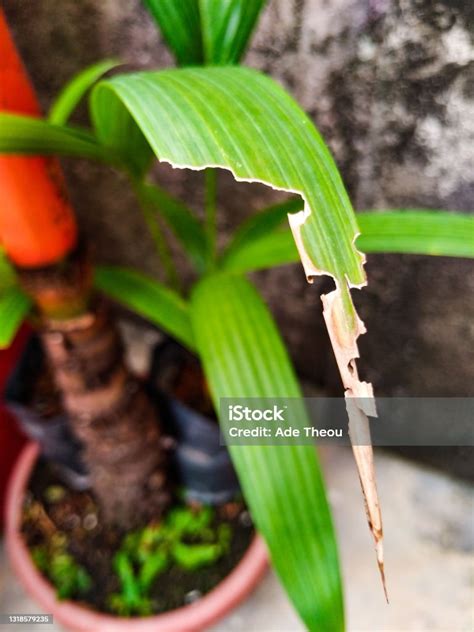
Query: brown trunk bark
x=108 y=408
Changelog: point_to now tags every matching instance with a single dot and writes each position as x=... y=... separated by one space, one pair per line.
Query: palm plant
x=210 y=115
x=106 y=405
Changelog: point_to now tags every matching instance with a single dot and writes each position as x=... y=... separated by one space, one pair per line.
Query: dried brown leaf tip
x=344 y=327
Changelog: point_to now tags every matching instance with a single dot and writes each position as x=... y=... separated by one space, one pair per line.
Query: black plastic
x=53 y=434
x=201 y=464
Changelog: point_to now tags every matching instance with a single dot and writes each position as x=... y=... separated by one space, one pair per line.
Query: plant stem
x=211 y=213
x=108 y=409
x=162 y=248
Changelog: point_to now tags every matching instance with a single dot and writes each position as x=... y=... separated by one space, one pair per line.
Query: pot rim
x=192 y=618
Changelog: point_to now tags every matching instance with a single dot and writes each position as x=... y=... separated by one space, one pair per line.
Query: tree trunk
x=108 y=408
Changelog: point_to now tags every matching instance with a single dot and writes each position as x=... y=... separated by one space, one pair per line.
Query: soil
x=50 y=507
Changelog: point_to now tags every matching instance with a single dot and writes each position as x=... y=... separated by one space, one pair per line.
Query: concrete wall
x=391 y=87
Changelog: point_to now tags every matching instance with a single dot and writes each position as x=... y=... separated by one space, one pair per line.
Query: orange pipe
x=37 y=224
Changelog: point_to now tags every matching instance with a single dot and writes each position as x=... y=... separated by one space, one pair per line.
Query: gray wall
x=391 y=87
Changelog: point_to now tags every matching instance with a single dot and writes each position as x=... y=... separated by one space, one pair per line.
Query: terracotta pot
x=197 y=616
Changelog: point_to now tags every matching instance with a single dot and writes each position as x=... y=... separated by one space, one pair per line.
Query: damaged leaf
x=240 y=120
x=417 y=232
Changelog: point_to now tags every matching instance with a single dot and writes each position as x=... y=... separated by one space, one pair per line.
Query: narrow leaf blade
x=260 y=225
x=72 y=93
x=7 y=273
x=32 y=136
x=180 y=24
x=226 y=28
x=148 y=298
x=179 y=217
x=268 y=251
x=244 y=356
x=417 y=232
x=14 y=307
x=121 y=136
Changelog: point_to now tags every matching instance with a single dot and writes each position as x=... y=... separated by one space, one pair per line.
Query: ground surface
x=429 y=525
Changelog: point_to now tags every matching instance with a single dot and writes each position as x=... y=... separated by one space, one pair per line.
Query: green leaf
x=14 y=304
x=154 y=564
x=261 y=224
x=244 y=356
x=148 y=298
x=212 y=32
x=238 y=119
x=14 y=307
x=419 y=232
x=194 y=556
x=71 y=94
x=28 y=135
x=180 y=24
x=130 y=586
x=7 y=273
x=183 y=223
x=226 y=28
x=119 y=134
x=268 y=251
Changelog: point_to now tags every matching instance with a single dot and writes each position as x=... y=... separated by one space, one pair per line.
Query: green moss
x=68 y=577
x=187 y=537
